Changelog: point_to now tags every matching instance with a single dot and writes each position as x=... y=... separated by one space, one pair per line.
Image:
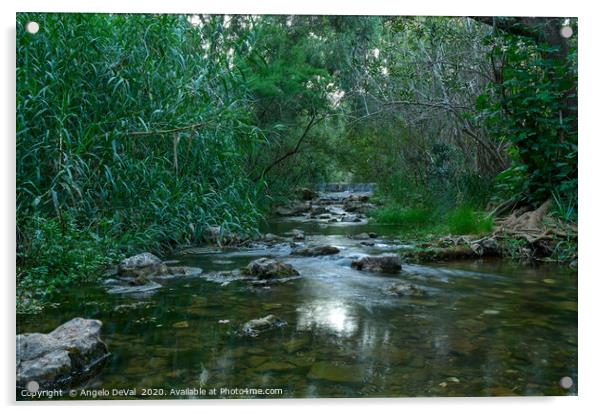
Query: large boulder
x=316 y=251
x=266 y=268
x=384 y=263
x=142 y=265
x=256 y=326
x=72 y=352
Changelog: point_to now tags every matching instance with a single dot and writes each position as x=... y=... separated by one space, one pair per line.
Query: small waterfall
x=345 y=187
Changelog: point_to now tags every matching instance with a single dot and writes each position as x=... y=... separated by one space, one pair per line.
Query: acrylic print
x=267 y=206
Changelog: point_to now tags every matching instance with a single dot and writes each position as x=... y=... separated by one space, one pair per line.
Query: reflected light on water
x=334 y=316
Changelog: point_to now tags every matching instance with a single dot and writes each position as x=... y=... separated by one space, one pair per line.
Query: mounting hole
x=566 y=31
x=33 y=386
x=566 y=382
x=32 y=27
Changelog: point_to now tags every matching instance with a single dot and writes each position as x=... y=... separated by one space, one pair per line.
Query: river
x=484 y=328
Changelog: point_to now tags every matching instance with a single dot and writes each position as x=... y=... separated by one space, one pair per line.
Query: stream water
x=487 y=327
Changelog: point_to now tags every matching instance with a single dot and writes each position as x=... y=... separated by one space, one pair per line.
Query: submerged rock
x=335 y=372
x=266 y=268
x=316 y=251
x=384 y=263
x=141 y=288
x=404 y=289
x=72 y=352
x=256 y=326
x=363 y=236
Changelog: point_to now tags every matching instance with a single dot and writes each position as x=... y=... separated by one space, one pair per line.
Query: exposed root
x=533 y=226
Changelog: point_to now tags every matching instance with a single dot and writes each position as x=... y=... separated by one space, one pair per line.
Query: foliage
x=139 y=131
x=533 y=107
x=56 y=254
x=94 y=93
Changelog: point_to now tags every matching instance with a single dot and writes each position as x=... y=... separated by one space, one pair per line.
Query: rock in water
x=266 y=268
x=404 y=289
x=143 y=288
x=298 y=235
x=335 y=372
x=384 y=263
x=485 y=247
x=307 y=194
x=256 y=326
x=142 y=265
x=351 y=219
x=71 y=352
x=316 y=251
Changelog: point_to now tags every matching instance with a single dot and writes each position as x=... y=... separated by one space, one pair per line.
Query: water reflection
x=334 y=316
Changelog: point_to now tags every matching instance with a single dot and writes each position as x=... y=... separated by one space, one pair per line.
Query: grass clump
x=465 y=220
x=409 y=218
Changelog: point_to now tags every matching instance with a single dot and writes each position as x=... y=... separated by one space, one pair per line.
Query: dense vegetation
x=139 y=131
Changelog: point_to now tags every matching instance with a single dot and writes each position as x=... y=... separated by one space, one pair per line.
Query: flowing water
x=487 y=327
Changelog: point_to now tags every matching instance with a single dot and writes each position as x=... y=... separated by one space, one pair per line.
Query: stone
x=307 y=194
x=316 y=251
x=361 y=236
x=317 y=210
x=384 y=263
x=255 y=327
x=350 y=219
x=142 y=265
x=404 y=289
x=148 y=287
x=71 y=352
x=295 y=345
x=293 y=210
x=335 y=372
x=275 y=366
x=485 y=247
x=298 y=235
x=266 y=268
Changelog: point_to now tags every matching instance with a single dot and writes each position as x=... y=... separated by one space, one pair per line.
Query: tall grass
x=130 y=134
x=465 y=220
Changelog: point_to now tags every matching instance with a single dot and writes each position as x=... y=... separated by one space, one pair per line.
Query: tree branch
x=293 y=151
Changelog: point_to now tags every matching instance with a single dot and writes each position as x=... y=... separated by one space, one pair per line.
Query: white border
x=590 y=292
